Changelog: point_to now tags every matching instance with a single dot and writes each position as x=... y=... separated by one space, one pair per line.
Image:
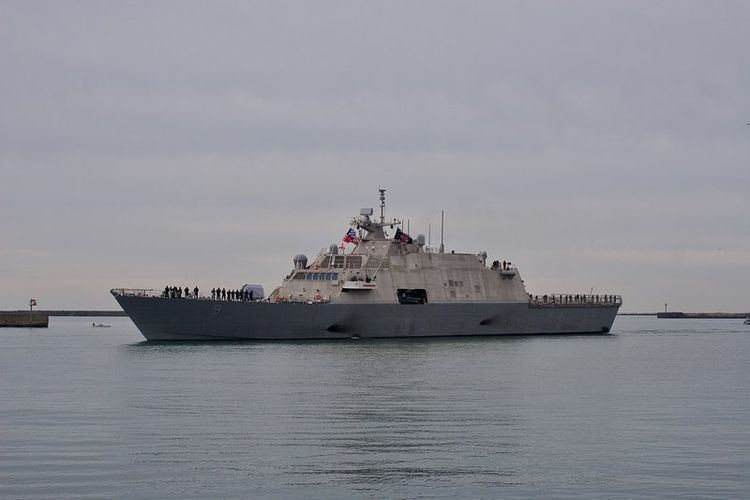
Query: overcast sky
x=595 y=144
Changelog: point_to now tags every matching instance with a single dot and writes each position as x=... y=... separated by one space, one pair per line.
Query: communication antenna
x=382 y=205
x=442 y=226
x=429 y=235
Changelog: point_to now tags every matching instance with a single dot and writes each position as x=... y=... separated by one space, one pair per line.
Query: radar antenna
x=382 y=205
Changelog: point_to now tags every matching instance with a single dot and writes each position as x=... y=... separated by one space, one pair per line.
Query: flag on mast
x=351 y=237
x=402 y=236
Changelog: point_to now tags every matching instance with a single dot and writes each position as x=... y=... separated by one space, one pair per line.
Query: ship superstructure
x=383 y=270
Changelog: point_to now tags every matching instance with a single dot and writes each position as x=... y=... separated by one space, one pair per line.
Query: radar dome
x=256 y=289
x=300 y=261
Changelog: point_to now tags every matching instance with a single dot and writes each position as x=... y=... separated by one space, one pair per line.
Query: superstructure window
x=316 y=276
x=353 y=261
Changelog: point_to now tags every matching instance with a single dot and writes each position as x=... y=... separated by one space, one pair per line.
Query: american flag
x=351 y=237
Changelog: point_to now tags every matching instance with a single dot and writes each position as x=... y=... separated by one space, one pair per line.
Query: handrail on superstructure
x=137 y=292
x=552 y=299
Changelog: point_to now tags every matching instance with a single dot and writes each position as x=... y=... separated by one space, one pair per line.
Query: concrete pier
x=34 y=319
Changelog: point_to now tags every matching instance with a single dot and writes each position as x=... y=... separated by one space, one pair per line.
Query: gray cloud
x=595 y=144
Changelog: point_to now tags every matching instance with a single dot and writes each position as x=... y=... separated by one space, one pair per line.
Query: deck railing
x=554 y=299
x=137 y=292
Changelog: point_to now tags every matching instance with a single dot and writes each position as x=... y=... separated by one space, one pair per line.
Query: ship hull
x=185 y=319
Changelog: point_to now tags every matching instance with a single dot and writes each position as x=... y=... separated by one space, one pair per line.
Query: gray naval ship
x=386 y=286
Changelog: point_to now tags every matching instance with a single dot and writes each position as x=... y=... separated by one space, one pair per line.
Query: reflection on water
x=364 y=413
x=643 y=412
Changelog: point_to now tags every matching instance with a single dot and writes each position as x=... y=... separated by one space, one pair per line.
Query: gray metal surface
x=182 y=319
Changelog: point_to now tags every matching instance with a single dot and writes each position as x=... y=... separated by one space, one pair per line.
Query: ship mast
x=382 y=205
x=372 y=227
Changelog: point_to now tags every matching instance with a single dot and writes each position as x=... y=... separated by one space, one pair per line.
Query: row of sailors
x=175 y=292
x=597 y=299
x=233 y=295
x=504 y=266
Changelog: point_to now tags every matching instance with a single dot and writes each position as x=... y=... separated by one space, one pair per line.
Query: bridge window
x=353 y=261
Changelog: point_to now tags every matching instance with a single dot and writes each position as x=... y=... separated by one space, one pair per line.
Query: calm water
x=659 y=409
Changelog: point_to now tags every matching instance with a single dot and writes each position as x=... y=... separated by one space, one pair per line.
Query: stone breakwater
x=713 y=315
x=34 y=319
